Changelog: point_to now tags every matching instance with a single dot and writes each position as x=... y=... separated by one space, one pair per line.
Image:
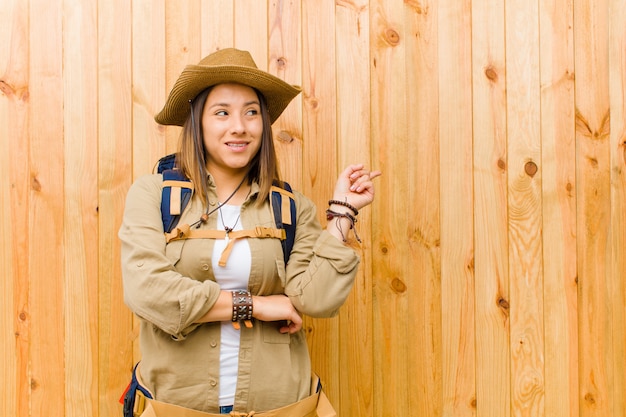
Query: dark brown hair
x=192 y=156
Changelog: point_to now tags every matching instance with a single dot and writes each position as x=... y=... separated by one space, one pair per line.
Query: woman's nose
x=237 y=126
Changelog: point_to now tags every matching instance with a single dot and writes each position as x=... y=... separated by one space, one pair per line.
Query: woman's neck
x=231 y=188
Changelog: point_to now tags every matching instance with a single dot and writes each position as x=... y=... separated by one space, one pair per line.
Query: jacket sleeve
x=321 y=269
x=153 y=289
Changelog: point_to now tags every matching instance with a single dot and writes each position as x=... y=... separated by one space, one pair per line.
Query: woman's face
x=232 y=127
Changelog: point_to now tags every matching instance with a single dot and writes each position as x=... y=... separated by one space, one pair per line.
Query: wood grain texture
x=250 y=29
x=491 y=278
x=217 y=31
x=182 y=48
x=115 y=342
x=285 y=62
x=457 y=214
x=525 y=209
x=14 y=194
x=559 y=208
x=416 y=235
x=80 y=121
x=353 y=126
x=617 y=272
x=149 y=77
x=491 y=260
x=46 y=249
x=317 y=154
x=593 y=205
x=404 y=126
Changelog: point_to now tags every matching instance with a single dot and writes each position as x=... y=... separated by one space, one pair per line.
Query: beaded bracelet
x=345 y=204
x=242 y=308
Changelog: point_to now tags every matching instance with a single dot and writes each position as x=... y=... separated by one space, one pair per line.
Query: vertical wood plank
x=559 y=207
x=114 y=177
x=217 y=31
x=285 y=62
x=80 y=119
x=148 y=66
x=182 y=47
x=617 y=284
x=419 y=223
x=354 y=142
x=318 y=143
x=391 y=375
x=457 y=231
x=14 y=219
x=525 y=204
x=493 y=372
x=407 y=376
x=46 y=247
x=251 y=29
x=593 y=204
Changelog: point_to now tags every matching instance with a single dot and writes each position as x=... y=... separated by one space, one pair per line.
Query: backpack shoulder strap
x=166 y=162
x=284 y=210
x=176 y=192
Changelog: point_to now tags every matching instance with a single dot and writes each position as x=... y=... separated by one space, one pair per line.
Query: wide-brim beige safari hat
x=228 y=65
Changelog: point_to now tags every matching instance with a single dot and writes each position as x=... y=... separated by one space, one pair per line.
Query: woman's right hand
x=277 y=308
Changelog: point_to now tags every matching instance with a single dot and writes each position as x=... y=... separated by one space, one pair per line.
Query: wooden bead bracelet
x=345 y=204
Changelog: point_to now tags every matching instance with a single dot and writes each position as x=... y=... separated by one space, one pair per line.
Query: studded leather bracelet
x=242 y=308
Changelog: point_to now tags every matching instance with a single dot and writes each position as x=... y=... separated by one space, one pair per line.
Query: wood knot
x=22 y=316
x=590 y=399
x=417 y=6
x=503 y=304
x=35 y=184
x=470 y=265
x=392 y=37
x=531 y=168
x=284 y=136
x=384 y=249
x=6 y=89
x=313 y=103
x=491 y=74
x=398 y=286
x=501 y=164
x=281 y=62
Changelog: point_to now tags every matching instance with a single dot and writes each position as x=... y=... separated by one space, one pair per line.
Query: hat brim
x=196 y=78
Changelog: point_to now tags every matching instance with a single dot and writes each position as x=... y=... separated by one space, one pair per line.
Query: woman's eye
x=221 y=113
x=252 y=112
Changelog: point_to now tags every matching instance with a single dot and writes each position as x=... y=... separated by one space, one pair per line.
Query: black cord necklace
x=226 y=228
x=205 y=215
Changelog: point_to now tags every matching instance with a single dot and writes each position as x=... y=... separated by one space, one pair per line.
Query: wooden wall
x=494 y=257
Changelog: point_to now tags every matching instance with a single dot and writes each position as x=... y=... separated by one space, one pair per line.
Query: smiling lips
x=237 y=145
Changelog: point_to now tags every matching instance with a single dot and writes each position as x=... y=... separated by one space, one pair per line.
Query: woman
x=191 y=293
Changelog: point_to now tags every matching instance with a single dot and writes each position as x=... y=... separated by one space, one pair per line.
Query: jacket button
x=205 y=267
x=213 y=382
x=213 y=343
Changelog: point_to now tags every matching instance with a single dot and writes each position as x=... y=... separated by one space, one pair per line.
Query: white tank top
x=233 y=276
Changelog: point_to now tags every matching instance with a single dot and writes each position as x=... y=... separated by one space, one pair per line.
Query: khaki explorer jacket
x=170 y=286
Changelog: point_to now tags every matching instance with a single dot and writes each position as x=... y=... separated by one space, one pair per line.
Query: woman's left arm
x=322 y=267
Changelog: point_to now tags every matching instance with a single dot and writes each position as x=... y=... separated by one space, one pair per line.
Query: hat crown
x=228 y=57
